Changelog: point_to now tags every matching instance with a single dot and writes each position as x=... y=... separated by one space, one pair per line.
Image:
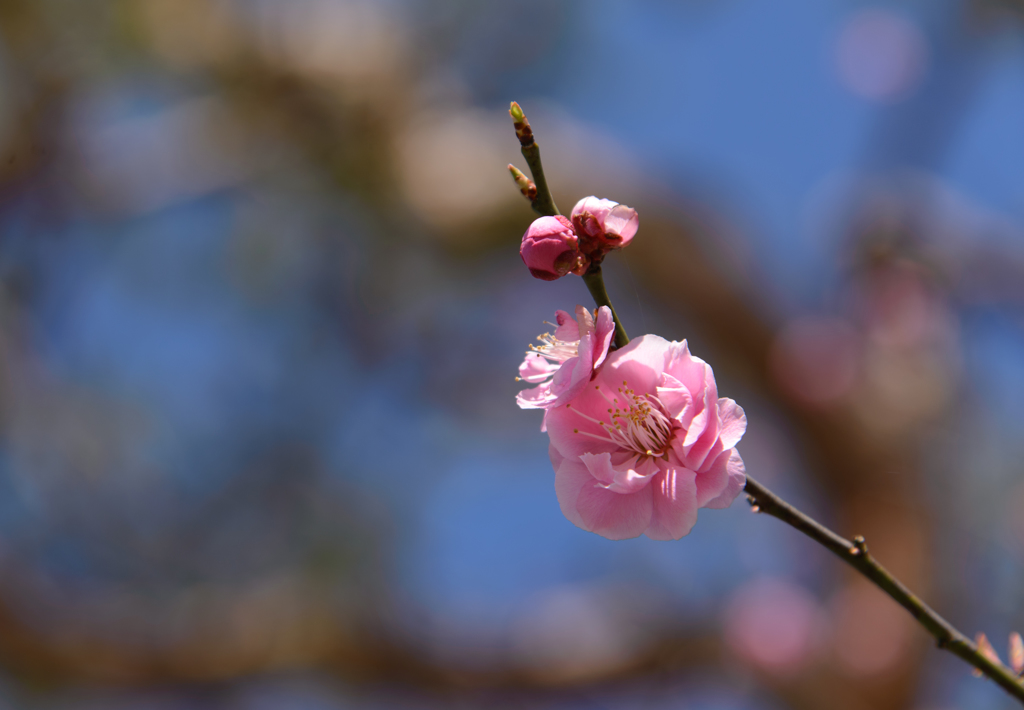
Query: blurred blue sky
x=220 y=328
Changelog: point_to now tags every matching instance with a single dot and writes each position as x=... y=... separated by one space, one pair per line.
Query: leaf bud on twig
x=523 y=131
x=525 y=184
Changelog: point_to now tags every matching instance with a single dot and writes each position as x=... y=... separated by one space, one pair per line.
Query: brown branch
x=856 y=555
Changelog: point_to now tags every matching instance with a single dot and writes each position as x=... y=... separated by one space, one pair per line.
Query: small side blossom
x=646 y=444
x=567 y=359
x=603 y=225
x=550 y=249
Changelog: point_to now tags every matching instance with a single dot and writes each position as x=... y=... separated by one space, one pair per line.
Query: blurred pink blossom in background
x=871 y=635
x=774 y=625
x=816 y=359
x=881 y=55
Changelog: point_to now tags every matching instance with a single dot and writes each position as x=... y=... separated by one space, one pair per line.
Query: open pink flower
x=603 y=225
x=567 y=359
x=646 y=444
x=550 y=249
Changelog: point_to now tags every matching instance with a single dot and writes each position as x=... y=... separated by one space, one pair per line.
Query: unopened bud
x=550 y=249
x=1016 y=653
x=525 y=184
x=523 y=131
x=603 y=225
x=986 y=650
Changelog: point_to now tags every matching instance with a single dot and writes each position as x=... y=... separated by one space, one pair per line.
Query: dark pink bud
x=603 y=225
x=550 y=249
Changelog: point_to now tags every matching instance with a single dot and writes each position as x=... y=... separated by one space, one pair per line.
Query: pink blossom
x=774 y=625
x=646 y=444
x=567 y=359
x=550 y=249
x=603 y=225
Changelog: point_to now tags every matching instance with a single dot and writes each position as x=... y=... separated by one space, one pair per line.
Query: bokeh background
x=261 y=310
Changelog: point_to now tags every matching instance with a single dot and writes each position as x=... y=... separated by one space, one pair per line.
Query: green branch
x=543 y=203
x=595 y=284
x=537 y=192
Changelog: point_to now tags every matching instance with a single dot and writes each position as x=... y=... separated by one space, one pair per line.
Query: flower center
x=555 y=350
x=637 y=422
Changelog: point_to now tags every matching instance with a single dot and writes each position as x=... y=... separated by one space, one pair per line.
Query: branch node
x=860 y=546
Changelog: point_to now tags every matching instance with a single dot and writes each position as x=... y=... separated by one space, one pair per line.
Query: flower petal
x=539 y=397
x=570 y=380
x=622 y=221
x=702 y=435
x=675 y=504
x=536 y=398
x=571 y=477
x=677 y=400
x=555 y=456
x=640 y=364
x=616 y=516
x=734 y=422
x=627 y=476
x=712 y=482
x=567 y=329
x=737 y=480
x=585 y=321
x=573 y=434
x=605 y=329
x=536 y=368
x=686 y=368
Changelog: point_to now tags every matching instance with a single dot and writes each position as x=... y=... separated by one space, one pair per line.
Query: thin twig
x=856 y=554
x=543 y=203
x=594 y=280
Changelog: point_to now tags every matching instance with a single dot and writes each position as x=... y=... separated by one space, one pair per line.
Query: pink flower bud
x=551 y=250
x=603 y=225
